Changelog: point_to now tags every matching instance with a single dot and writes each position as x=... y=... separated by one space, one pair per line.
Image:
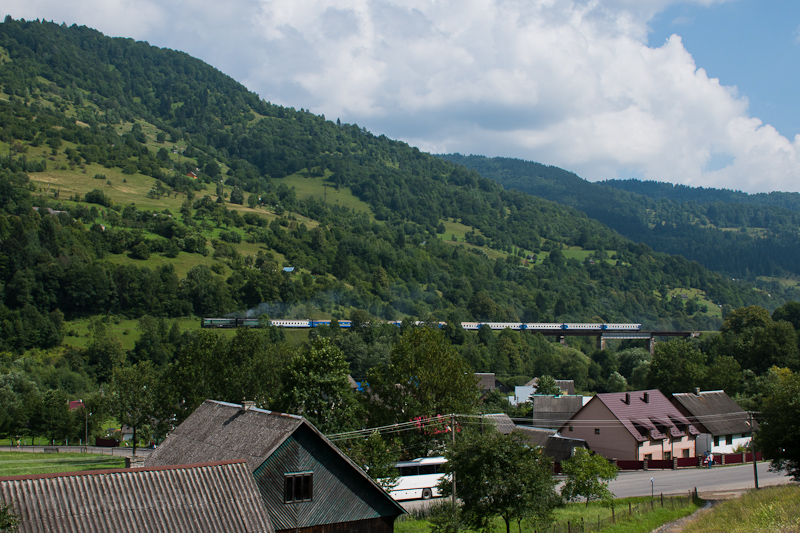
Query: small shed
x=556 y=446
x=306 y=483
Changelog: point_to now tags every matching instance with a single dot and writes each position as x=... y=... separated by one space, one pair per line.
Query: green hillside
x=753 y=237
x=179 y=168
x=141 y=189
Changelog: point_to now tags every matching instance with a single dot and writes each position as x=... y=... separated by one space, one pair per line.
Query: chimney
x=246 y=406
x=697 y=391
x=646 y=397
x=628 y=398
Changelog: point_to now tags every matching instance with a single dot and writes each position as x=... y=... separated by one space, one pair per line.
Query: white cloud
x=564 y=82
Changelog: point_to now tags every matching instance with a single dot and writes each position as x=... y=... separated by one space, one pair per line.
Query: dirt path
x=711 y=500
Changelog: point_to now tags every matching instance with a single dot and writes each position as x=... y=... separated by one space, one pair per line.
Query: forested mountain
x=744 y=236
x=431 y=238
x=140 y=186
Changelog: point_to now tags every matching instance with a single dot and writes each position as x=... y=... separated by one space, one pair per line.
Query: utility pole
x=453 y=436
x=753 y=447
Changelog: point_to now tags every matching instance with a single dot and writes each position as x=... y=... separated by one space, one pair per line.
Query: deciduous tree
x=677 y=366
x=779 y=433
x=588 y=475
x=134 y=396
x=500 y=475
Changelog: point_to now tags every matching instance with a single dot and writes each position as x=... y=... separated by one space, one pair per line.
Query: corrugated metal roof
x=715 y=411
x=646 y=414
x=193 y=498
x=503 y=422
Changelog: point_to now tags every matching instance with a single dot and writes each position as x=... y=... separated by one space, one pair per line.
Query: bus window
x=408 y=471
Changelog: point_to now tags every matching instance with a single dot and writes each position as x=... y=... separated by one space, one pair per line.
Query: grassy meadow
x=24 y=463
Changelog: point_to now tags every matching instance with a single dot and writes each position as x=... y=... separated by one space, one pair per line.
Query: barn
x=305 y=482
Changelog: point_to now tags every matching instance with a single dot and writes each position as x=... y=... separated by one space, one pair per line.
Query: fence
x=735 y=458
x=620 y=515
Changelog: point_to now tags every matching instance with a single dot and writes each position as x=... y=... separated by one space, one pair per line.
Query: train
x=521 y=326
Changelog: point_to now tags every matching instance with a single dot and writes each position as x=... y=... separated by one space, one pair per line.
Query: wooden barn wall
x=374 y=525
x=341 y=494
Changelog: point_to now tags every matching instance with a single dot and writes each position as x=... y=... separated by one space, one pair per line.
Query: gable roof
x=193 y=498
x=646 y=414
x=713 y=411
x=221 y=431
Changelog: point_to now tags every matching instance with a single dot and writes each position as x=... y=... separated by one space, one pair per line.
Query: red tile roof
x=647 y=414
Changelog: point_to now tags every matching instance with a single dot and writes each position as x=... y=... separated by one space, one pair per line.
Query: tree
x=105 y=351
x=677 y=366
x=425 y=377
x=750 y=336
x=778 y=435
x=588 y=475
x=377 y=458
x=315 y=386
x=547 y=385
x=56 y=420
x=237 y=196
x=134 y=396
x=499 y=475
x=8 y=518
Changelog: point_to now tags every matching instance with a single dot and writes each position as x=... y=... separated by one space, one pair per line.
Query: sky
x=698 y=92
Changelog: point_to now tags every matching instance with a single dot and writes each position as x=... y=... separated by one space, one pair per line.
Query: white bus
x=418 y=478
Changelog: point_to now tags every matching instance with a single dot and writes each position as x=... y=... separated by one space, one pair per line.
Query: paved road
x=719 y=479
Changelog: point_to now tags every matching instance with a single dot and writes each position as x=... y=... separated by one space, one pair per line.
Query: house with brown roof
x=723 y=425
x=306 y=483
x=196 y=498
x=633 y=426
x=487 y=382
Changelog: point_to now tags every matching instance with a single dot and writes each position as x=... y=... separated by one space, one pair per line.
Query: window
x=648 y=457
x=570 y=428
x=298 y=487
x=716 y=441
x=667 y=456
x=596 y=431
x=686 y=454
x=728 y=439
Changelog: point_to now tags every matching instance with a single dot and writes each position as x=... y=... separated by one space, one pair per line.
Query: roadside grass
x=770 y=509
x=24 y=463
x=580 y=517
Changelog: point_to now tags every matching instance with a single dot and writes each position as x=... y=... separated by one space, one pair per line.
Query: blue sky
x=699 y=92
x=753 y=45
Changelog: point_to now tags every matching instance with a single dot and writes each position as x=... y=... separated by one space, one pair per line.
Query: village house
x=306 y=483
x=723 y=425
x=635 y=426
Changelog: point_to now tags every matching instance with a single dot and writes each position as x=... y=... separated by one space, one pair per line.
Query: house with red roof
x=633 y=426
